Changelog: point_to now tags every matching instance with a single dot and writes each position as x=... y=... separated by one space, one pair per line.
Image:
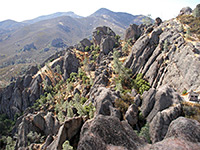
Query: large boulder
x=131 y=115
x=107 y=44
x=103 y=99
x=164 y=98
x=71 y=64
x=133 y=32
x=101 y=32
x=183 y=134
x=67 y=131
x=160 y=123
x=148 y=101
x=51 y=124
x=184 y=128
x=104 y=132
x=185 y=11
x=83 y=44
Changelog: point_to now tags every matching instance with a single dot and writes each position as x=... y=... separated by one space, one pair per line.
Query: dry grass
x=191 y=110
x=192 y=23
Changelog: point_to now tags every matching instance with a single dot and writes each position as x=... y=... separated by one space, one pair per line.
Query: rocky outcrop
x=131 y=115
x=160 y=107
x=184 y=128
x=160 y=56
x=101 y=32
x=160 y=123
x=164 y=98
x=71 y=64
x=133 y=32
x=183 y=133
x=83 y=44
x=185 y=11
x=27 y=89
x=105 y=132
x=107 y=44
x=36 y=124
x=104 y=37
x=103 y=99
x=67 y=131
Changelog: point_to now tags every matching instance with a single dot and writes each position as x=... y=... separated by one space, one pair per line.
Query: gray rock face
x=106 y=131
x=164 y=98
x=45 y=125
x=184 y=128
x=132 y=115
x=185 y=11
x=101 y=32
x=68 y=130
x=103 y=99
x=183 y=133
x=133 y=32
x=71 y=64
x=160 y=123
x=51 y=124
x=83 y=44
x=107 y=44
x=161 y=64
x=39 y=121
x=27 y=80
x=148 y=101
x=172 y=143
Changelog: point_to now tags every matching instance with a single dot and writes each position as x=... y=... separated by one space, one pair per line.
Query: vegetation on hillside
x=191 y=110
x=193 y=25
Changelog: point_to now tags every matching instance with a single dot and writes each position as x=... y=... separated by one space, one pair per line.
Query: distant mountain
x=10 y=25
x=119 y=18
x=51 y=16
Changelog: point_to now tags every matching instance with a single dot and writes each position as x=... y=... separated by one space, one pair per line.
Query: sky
x=20 y=10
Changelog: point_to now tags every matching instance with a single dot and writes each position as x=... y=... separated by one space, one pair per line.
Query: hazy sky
x=20 y=10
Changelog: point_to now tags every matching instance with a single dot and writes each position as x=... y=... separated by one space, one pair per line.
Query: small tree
x=166 y=45
x=196 y=12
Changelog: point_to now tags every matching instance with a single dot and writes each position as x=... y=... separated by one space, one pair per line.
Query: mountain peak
x=101 y=11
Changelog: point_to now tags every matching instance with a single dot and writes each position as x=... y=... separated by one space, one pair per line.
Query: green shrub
x=184 y=92
x=166 y=46
x=144 y=133
x=34 y=137
x=66 y=146
x=123 y=103
x=72 y=77
x=140 y=84
x=6 y=124
x=117 y=37
x=10 y=143
x=83 y=100
x=90 y=110
x=98 y=31
x=87 y=48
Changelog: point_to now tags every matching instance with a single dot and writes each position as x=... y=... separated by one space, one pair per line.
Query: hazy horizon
x=25 y=10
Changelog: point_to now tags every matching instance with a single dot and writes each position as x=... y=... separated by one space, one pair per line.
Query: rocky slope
x=89 y=100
